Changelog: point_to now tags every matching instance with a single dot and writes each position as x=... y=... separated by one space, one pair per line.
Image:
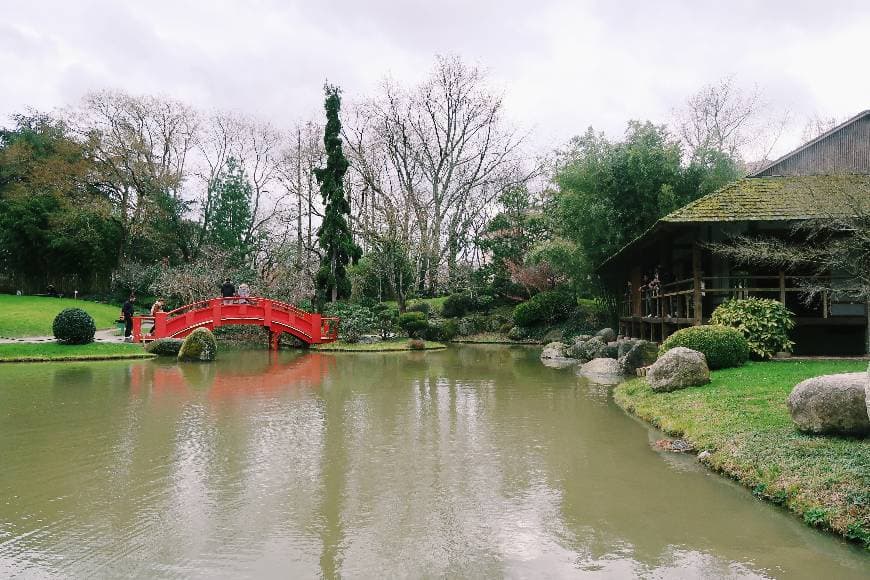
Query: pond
x=476 y=462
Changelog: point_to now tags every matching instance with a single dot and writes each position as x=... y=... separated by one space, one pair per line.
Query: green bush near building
x=723 y=346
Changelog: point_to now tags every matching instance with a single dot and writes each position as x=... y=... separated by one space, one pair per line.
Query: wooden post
x=824 y=304
x=696 y=283
x=782 y=287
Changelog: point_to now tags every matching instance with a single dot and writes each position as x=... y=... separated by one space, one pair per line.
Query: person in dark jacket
x=127 y=313
x=227 y=289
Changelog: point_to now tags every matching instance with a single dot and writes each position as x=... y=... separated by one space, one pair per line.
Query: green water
x=474 y=462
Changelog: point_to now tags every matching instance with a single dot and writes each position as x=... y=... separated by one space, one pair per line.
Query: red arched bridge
x=278 y=317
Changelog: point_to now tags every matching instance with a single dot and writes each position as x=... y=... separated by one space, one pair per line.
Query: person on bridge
x=227 y=289
x=244 y=293
x=155 y=308
x=127 y=313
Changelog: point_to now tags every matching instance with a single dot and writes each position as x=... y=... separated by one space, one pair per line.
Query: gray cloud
x=562 y=65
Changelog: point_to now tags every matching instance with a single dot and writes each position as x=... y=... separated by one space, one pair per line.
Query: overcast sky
x=562 y=65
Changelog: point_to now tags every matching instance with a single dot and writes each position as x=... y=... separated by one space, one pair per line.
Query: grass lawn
x=742 y=419
x=383 y=346
x=33 y=315
x=48 y=351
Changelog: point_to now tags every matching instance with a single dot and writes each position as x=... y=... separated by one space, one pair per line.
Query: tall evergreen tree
x=232 y=214
x=333 y=236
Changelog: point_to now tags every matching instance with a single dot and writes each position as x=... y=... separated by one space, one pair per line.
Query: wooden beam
x=782 y=287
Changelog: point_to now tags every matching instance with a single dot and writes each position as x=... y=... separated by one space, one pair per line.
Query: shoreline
x=747 y=436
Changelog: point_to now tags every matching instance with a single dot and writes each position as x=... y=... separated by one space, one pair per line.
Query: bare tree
x=434 y=157
x=723 y=118
x=141 y=145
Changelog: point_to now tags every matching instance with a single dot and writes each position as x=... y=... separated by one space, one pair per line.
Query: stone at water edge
x=834 y=404
x=588 y=349
x=554 y=350
x=199 y=345
x=601 y=366
x=678 y=368
x=641 y=354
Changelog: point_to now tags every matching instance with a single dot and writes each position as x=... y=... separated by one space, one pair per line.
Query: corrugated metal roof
x=843 y=149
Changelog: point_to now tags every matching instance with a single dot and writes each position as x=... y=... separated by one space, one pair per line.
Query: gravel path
x=108 y=335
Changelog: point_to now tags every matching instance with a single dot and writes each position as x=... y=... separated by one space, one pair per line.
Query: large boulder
x=554 y=350
x=588 y=349
x=678 y=368
x=625 y=345
x=199 y=345
x=164 y=346
x=641 y=353
x=606 y=334
x=831 y=404
x=601 y=366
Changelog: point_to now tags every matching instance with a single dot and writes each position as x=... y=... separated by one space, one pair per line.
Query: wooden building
x=820 y=178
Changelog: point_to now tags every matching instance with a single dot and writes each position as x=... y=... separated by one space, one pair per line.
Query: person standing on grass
x=127 y=313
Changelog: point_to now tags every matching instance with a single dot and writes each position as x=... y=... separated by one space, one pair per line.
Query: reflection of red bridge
x=277 y=317
x=255 y=374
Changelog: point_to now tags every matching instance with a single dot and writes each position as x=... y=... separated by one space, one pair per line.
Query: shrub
x=471 y=325
x=416 y=344
x=506 y=327
x=355 y=321
x=414 y=323
x=458 y=304
x=765 y=323
x=423 y=307
x=517 y=333
x=441 y=330
x=164 y=346
x=723 y=346
x=545 y=307
x=200 y=345
x=74 y=326
x=385 y=319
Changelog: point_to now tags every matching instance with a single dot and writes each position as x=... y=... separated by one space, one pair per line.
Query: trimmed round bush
x=458 y=304
x=723 y=346
x=414 y=323
x=416 y=344
x=199 y=345
x=517 y=333
x=164 y=346
x=73 y=326
x=355 y=320
x=765 y=323
x=441 y=330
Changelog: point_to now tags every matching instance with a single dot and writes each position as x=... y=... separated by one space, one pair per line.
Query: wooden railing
x=684 y=300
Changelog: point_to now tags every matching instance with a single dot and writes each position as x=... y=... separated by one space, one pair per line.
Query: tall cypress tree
x=333 y=236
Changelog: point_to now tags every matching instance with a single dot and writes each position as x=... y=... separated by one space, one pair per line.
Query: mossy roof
x=777 y=198
x=783 y=198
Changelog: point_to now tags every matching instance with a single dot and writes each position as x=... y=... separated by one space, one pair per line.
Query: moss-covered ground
x=741 y=418
x=33 y=315
x=52 y=351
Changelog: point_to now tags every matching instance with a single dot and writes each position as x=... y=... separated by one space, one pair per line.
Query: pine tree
x=232 y=212
x=333 y=236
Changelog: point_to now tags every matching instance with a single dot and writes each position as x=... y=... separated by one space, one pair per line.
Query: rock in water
x=642 y=353
x=554 y=350
x=831 y=404
x=678 y=368
x=199 y=345
x=601 y=366
x=606 y=334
